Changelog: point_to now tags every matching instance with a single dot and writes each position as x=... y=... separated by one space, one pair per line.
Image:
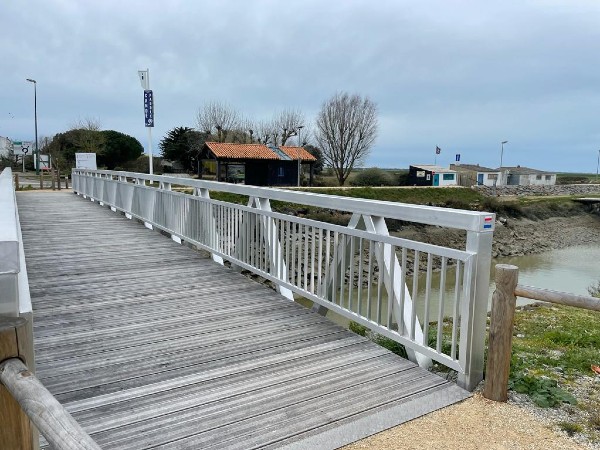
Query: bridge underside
x=150 y=344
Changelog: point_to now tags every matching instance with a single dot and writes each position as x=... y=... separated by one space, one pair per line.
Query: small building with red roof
x=258 y=164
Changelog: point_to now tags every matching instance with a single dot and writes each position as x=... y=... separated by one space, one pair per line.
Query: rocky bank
x=518 y=237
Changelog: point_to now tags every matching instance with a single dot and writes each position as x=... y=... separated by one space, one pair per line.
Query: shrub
x=373 y=177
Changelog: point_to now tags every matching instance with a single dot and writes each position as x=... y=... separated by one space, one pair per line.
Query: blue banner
x=457 y=157
x=148 y=108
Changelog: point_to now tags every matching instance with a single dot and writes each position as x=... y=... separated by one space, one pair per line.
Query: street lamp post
x=37 y=151
x=502 y=151
x=299 y=155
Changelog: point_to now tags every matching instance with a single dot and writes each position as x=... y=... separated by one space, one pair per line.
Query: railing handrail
x=51 y=418
x=14 y=285
x=9 y=238
x=431 y=215
x=558 y=297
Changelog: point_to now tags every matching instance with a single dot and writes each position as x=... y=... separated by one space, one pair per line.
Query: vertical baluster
x=440 y=327
x=334 y=269
x=287 y=250
x=392 y=263
x=259 y=221
x=306 y=244
x=320 y=258
x=360 y=277
x=370 y=281
x=380 y=280
x=327 y=263
x=293 y=252
x=456 y=308
x=402 y=291
x=415 y=291
x=351 y=274
x=300 y=240
x=427 y=296
x=312 y=260
x=342 y=269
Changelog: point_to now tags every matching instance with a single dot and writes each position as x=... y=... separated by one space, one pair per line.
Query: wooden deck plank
x=149 y=343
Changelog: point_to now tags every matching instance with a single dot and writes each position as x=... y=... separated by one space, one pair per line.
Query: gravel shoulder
x=475 y=423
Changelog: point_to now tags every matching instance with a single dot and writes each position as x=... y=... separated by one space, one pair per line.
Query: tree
x=219 y=120
x=183 y=144
x=287 y=123
x=119 y=148
x=88 y=139
x=317 y=153
x=346 y=130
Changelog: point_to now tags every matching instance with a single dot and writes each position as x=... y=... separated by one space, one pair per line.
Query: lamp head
x=31 y=81
x=504 y=142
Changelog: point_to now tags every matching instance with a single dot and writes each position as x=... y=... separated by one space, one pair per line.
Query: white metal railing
x=358 y=271
x=14 y=286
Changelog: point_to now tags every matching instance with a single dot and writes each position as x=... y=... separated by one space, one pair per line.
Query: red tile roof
x=294 y=152
x=256 y=151
x=241 y=151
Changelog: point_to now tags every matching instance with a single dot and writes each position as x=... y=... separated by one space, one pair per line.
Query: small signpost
x=22 y=149
x=148 y=111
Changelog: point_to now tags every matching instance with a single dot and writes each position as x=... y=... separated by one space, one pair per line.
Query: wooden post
x=41 y=179
x=15 y=432
x=52 y=181
x=67 y=181
x=501 y=332
x=58 y=177
x=16 y=181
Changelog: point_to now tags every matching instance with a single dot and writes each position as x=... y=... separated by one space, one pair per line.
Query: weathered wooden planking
x=151 y=344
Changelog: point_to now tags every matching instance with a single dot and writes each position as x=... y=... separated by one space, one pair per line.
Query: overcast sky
x=455 y=74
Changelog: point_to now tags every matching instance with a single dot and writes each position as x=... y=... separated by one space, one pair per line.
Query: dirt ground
x=476 y=423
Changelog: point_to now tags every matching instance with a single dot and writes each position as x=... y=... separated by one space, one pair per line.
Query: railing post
x=15 y=432
x=474 y=313
x=501 y=332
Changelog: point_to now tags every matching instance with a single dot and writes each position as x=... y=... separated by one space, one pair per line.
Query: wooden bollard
x=501 y=333
x=41 y=179
x=16 y=181
x=58 y=177
x=67 y=181
x=15 y=432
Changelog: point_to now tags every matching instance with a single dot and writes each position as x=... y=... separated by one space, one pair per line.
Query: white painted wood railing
x=358 y=271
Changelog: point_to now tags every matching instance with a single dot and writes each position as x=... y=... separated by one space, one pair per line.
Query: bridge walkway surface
x=151 y=344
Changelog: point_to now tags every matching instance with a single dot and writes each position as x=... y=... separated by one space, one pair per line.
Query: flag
x=438 y=150
x=144 y=79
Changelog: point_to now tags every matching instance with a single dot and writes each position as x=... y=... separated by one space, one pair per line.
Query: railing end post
x=501 y=332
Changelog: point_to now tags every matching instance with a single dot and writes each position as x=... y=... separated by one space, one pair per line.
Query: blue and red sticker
x=488 y=222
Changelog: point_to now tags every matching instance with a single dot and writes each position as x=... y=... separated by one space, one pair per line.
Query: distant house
x=524 y=176
x=430 y=175
x=257 y=164
x=5 y=147
x=474 y=174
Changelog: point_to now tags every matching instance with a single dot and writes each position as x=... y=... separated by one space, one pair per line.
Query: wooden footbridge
x=148 y=343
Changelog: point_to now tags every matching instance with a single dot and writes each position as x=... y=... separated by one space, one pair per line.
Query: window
x=538 y=177
x=548 y=177
x=492 y=176
x=420 y=173
x=448 y=177
x=280 y=172
x=428 y=177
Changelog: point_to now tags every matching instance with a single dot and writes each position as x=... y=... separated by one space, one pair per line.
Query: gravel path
x=476 y=423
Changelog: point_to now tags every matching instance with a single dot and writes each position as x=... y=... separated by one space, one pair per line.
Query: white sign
x=85 y=161
x=22 y=148
x=44 y=162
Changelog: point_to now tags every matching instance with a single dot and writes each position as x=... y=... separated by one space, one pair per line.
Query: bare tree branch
x=346 y=130
x=218 y=119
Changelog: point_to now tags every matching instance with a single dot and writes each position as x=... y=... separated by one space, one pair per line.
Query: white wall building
x=524 y=176
x=5 y=146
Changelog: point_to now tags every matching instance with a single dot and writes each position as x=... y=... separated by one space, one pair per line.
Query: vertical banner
x=148 y=108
